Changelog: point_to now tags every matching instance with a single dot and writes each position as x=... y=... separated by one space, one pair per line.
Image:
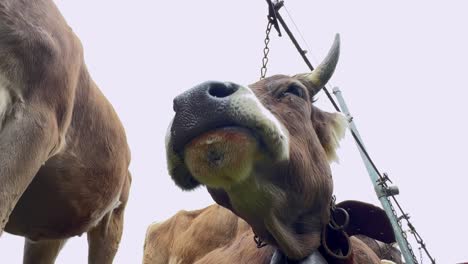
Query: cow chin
x=222 y=157
x=219 y=158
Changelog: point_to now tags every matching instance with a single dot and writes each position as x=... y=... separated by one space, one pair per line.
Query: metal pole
x=382 y=190
x=379 y=189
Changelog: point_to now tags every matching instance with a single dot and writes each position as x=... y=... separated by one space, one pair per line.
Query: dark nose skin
x=209 y=91
x=204 y=107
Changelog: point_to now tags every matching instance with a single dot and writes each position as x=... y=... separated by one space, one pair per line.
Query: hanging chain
x=412 y=229
x=266 y=50
x=403 y=233
x=420 y=255
x=272 y=22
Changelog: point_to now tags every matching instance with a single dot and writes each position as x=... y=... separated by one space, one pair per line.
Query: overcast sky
x=402 y=70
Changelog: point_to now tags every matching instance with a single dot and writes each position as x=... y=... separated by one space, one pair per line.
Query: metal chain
x=421 y=255
x=334 y=211
x=412 y=229
x=403 y=233
x=266 y=50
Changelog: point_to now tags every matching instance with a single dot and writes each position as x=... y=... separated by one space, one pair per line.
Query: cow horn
x=317 y=79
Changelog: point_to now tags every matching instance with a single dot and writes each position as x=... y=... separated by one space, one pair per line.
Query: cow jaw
x=222 y=157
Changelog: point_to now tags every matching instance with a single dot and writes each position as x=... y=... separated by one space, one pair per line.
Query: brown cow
x=188 y=236
x=215 y=235
x=63 y=151
x=263 y=152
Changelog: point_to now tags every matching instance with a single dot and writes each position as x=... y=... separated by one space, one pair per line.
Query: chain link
x=266 y=50
x=420 y=254
x=334 y=211
x=405 y=237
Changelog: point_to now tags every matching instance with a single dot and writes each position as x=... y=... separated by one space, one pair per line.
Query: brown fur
x=214 y=235
x=187 y=236
x=382 y=250
x=64 y=156
x=303 y=186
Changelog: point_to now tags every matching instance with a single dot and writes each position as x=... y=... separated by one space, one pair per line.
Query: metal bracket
x=272 y=14
x=386 y=190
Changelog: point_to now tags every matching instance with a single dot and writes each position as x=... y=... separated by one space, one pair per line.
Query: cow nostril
x=221 y=90
x=175 y=105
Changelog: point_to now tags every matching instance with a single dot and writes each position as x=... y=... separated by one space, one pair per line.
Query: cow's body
x=64 y=155
x=215 y=235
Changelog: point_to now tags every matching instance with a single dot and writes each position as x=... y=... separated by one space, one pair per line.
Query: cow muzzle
x=219 y=131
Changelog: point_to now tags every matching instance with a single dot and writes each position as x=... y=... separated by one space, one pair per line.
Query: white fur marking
x=339 y=126
x=5 y=100
x=249 y=106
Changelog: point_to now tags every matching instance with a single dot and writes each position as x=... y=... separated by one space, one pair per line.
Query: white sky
x=402 y=71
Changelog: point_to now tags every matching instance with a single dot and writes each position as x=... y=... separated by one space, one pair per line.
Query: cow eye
x=295 y=89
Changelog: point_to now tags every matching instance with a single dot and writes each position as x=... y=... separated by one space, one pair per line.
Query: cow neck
x=333 y=239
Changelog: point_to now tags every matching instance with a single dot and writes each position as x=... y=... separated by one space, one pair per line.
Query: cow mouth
x=223 y=156
x=214 y=136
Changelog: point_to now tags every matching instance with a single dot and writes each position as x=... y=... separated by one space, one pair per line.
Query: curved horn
x=317 y=79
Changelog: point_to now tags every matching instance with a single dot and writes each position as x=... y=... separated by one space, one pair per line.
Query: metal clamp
x=387 y=190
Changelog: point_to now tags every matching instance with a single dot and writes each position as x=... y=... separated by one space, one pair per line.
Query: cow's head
x=263 y=151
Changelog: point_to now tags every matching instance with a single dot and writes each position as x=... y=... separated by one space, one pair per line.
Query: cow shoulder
x=189 y=235
x=160 y=237
x=37 y=47
x=41 y=61
x=241 y=250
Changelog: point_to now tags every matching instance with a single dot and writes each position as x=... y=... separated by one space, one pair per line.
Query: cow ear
x=369 y=220
x=330 y=129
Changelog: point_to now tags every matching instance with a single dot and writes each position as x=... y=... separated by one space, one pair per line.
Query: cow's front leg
x=27 y=137
x=104 y=239
x=42 y=252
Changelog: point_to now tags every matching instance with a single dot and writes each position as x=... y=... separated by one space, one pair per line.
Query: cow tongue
x=221 y=157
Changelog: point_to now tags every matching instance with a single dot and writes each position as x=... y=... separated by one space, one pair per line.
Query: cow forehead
x=330 y=127
x=272 y=80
